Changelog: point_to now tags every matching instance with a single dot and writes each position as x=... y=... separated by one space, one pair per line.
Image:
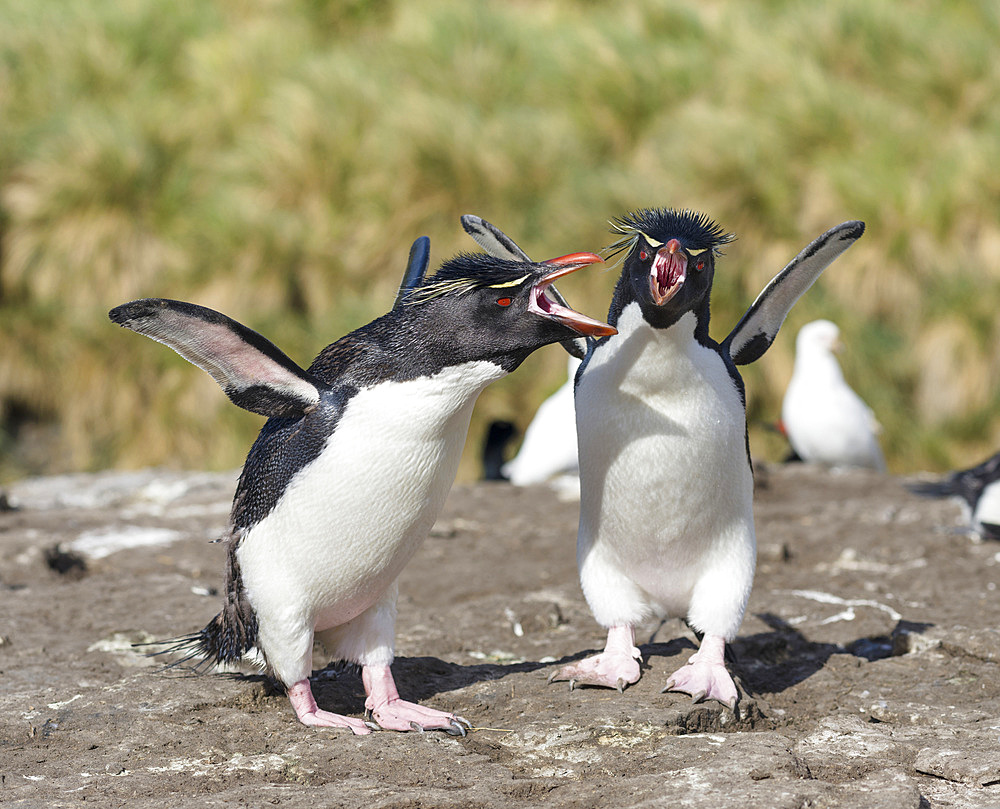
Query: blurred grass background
x=274 y=159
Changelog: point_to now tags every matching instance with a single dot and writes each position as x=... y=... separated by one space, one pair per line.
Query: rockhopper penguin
x=352 y=467
x=666 y=512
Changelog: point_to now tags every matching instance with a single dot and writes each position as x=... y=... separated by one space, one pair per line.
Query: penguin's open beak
x=544 y=303
x=668 y=273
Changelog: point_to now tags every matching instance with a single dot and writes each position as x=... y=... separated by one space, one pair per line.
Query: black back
x=446 y=320
x=966 y=483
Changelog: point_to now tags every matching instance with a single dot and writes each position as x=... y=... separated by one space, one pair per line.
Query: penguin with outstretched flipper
x=666 y=513
x=352 y=467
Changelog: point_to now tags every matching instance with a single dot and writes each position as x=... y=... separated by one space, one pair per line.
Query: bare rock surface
x=870 y=652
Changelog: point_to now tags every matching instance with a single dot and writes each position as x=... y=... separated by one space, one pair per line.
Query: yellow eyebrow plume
x=519 y=281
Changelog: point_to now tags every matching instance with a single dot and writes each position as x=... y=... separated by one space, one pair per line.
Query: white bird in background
x=826 y=422
x=549 y=448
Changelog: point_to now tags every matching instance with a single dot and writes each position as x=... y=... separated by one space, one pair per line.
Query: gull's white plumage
x=825 y=420
x=549 y=447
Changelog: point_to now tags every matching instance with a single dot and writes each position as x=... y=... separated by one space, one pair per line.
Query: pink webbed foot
x=392 y=713
x=616 y=667
x=705 y=675
x=301 y=697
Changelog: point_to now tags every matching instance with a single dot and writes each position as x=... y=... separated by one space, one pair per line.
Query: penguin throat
x=667 y=275
x=544 y=304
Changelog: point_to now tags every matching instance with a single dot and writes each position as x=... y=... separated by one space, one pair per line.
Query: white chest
x=662 y=433
x=988 y=507
x=349 y=521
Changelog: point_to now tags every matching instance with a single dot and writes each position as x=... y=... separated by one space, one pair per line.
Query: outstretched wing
x=416 y=267
x=757 y=329
x=493 y=240
x=945 y=487
x=252 y=371
x=965 y=483
x=497 y=243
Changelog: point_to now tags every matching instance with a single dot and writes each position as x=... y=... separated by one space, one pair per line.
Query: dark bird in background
x=666 y=518
x=354 y=462
x=499 y=434
x=977 y=489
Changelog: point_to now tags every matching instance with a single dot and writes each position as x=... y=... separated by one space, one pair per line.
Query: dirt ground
x=870 y=647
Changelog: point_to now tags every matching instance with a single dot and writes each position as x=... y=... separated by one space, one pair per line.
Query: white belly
x=988 y=507
x=350 y=520
x=666 y=486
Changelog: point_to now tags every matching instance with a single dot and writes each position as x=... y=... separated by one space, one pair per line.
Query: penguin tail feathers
x=225 y=639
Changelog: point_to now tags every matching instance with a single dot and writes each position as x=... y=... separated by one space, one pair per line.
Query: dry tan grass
x=275 y=160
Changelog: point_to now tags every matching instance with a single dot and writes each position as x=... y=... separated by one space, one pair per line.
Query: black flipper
x=965 y=483
x=416 y=266
x=252 y=371
x=493 y=240
x=757 y=329
x=947 y=487
x=497 y=243
x=990 y=530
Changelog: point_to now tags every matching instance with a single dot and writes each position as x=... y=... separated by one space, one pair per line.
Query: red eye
x=701 y=264
x=643 y=255
x=503 y=301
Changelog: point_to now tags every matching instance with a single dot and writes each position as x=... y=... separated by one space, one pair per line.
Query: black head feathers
x=695 y=230
x=467 y=272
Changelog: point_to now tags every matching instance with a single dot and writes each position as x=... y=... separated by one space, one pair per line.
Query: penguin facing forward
x=978 y=490
x=352 y=467
x=825 y=421
x=666 y=517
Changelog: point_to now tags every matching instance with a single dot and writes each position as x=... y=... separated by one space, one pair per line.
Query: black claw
x=455 y=729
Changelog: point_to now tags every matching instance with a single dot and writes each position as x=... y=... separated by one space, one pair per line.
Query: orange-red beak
x=544 y=304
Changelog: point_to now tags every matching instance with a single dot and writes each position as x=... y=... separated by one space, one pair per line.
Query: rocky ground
x=870 y=647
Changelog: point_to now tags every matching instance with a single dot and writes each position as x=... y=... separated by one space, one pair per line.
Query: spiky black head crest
x=695 y=230
x=468 y=271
